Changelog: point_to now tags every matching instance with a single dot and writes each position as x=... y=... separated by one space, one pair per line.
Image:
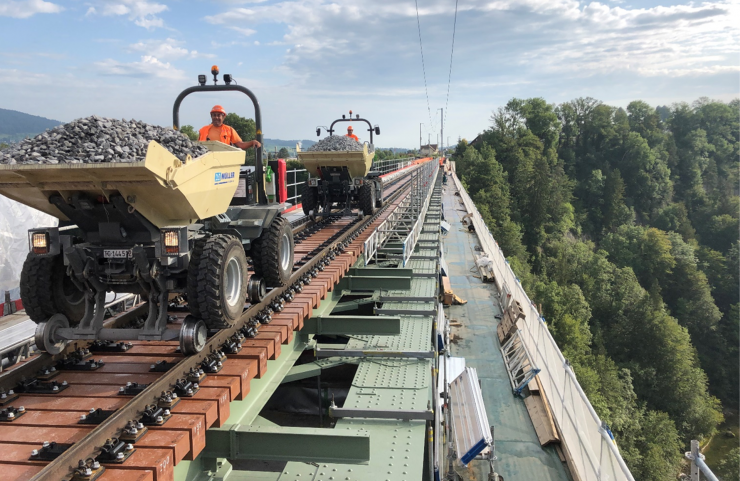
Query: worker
x=223 y=133
x=351 y=135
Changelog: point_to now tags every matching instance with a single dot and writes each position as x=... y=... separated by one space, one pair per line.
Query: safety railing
x=294 y=180
x=587 y=440
x=389 y=165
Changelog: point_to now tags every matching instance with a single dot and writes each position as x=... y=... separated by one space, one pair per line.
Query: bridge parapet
x=587 y=441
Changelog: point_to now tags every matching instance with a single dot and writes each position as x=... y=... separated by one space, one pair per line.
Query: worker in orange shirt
x=351 y=135
x=223 y=133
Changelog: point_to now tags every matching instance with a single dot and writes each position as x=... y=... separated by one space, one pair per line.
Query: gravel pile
x=338 y=142
x=97 y=139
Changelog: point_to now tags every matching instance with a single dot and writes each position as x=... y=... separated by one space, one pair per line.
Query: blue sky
x=309 y=61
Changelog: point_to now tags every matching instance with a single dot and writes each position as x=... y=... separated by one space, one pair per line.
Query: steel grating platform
x=386 y=384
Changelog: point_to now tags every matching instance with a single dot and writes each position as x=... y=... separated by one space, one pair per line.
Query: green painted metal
x=311 y=369
x=373 y=283
x=260 y=390
x=275 y=443
x=341 y=325
x=395 y=449
x=381 y=272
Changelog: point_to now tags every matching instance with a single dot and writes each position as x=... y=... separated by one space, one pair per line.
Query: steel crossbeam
x=275 y=443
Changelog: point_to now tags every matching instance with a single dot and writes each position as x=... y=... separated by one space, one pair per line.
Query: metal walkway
x=519 y=453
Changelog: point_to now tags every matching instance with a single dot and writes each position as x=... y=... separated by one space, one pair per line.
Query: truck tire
x=221 y=282
x=309 y=199
x=379 y=197
x=36 y=287
x=68 y=299
x=191 y=290
x=367 y=199
x=272 y=253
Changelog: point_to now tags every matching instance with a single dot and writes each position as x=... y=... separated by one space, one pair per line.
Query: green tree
x=729 y=467
x=189 y=131
x=246 y=128
x=646 y=177
x=283 y=153
x=616 y=212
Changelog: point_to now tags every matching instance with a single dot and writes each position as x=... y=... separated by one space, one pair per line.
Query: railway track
x=81 y=422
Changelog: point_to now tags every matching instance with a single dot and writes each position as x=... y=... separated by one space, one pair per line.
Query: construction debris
x=98 y=139
x=339 y=143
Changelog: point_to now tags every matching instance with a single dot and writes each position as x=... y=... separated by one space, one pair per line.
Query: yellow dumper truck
x=342 y=178
x=153 y=228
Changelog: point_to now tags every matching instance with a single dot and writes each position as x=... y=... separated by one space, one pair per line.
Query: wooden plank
x=542 y=427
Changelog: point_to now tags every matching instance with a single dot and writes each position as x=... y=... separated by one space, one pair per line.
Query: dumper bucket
x=357 y=162
x=162 y=188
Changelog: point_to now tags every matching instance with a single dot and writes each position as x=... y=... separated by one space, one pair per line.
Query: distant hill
x=15 y=126
x=271 y=144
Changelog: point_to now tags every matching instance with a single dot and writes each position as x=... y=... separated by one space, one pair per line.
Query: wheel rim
x=233 y=282
x=200 y=336
x=284 y=252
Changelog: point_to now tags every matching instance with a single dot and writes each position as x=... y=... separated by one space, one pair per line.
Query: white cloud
x=161 y=49
x=27 y=8
x=244 y=31
x=142 y=12
x=148 y=67
x=534 y=35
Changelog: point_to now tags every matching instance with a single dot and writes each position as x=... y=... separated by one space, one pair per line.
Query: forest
x=623 y=225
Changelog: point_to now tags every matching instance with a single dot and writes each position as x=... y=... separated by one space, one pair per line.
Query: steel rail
x=64 y=465
x=10 y=378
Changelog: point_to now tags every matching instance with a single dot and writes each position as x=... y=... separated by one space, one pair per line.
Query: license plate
x=117 y=253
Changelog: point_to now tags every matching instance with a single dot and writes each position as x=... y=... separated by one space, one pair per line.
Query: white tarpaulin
x=15 y=220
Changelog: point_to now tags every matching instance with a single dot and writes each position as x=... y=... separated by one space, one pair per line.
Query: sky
x=310 y=61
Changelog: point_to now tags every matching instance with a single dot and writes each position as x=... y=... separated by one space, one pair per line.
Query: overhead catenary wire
x=452 y=52
x=423 y=68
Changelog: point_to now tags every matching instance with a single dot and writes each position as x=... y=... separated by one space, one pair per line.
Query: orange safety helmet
x=349 y=128
x=219 y=109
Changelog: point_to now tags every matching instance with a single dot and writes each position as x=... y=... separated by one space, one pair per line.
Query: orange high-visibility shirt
x=224 y=134
x=352 y=136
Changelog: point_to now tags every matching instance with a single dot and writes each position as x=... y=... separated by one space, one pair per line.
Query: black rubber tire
x=36 y=287
x=309 y=199
x=191 y=291
x=378 y=199
x=213 y=304
x=267 y=252
x=68 y=299
x=367 y=199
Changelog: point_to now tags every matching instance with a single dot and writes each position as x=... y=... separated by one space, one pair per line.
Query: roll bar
x=372 y=129
x=258 y=171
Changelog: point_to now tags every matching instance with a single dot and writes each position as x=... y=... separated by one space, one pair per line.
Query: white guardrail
x=384 y=231
x=594 y=453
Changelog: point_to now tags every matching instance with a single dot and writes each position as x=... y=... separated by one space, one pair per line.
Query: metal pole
x=420 y=141
x=321 y=411
x=442 y=128
x=698 y=464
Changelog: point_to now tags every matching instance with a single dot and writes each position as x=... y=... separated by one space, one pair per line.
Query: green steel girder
x=381 y=272
x=355 y=325
x=288 y=444
x=355 y=304
x=373 y=283
x=313 y=369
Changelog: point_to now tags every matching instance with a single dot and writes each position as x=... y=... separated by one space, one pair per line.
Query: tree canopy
x=623 y=225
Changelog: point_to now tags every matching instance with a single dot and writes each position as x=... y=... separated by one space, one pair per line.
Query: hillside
x=15 y=126
x=622 y=224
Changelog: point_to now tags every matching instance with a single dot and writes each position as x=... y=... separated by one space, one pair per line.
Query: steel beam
x=373 y=283
x=374 y=353
x=381 y=272
x=287 y=444
x=405 y=414
x=357 y=325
